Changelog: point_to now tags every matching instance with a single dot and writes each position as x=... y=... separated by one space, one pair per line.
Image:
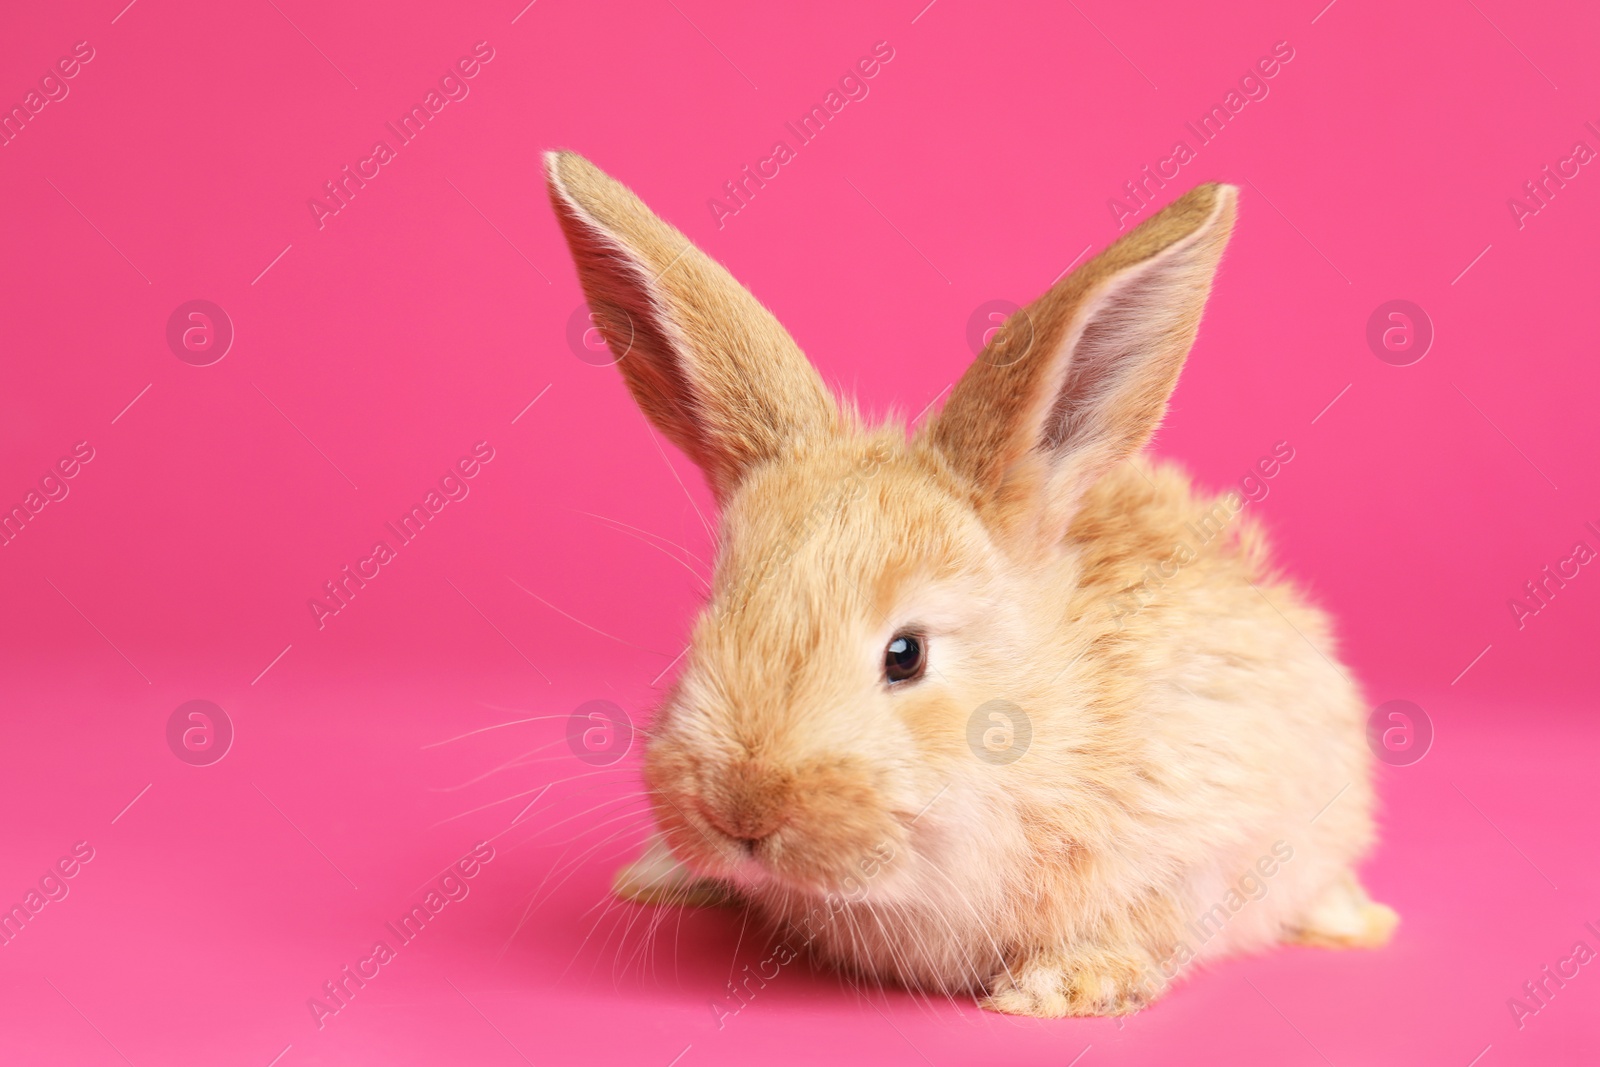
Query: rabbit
x=924 y=727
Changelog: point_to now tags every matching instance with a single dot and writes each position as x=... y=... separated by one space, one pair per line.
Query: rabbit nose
x=746 y=824
x=750 y=804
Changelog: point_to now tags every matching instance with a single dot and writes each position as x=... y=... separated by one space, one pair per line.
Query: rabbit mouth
x=795 y=859
x=750 y=873
x=793 y=862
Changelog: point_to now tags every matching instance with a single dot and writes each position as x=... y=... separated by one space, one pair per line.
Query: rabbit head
x=888 y=619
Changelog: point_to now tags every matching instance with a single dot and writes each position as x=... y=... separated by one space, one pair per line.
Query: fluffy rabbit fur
x=1171 y=757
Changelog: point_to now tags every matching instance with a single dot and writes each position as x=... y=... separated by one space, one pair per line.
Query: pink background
x=426 y=316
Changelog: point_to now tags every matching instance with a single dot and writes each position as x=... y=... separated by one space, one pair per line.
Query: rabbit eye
x=905 y=658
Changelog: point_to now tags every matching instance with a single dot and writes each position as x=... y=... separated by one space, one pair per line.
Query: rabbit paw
x=657 y=877
x=1345 y=917
x=1085 y=982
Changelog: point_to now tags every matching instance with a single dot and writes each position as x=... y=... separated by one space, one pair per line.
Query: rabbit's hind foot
x=1345 y=917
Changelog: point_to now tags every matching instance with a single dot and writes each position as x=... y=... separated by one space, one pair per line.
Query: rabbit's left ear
x=1078 y=380
x=710 y=367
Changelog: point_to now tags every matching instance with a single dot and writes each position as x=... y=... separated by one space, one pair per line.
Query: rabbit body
x=1128 y=746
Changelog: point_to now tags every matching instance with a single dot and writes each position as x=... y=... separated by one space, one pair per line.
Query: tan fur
x=1172 y=746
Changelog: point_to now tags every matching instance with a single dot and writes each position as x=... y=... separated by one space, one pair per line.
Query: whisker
x=961 y=896
x=710 y=533
x=581 y=834
x=580 y=622
x=515 y=796
x=486 y=807
x=618 y=523
x=514 y=761
x=496 y=726
x=733 y=964
x=534 y=901
x=608 y=903
x=578 y=815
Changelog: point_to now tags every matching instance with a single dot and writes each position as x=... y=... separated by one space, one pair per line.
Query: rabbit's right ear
x=1078 y=380
x=710 y=367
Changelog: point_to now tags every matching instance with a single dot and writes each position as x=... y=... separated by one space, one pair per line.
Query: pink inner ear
x=1126 y=358
x=1046 y=411
x=1123 y=366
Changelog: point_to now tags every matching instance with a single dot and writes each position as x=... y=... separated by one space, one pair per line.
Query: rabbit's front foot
x=658 y=878
x=1084 y=981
